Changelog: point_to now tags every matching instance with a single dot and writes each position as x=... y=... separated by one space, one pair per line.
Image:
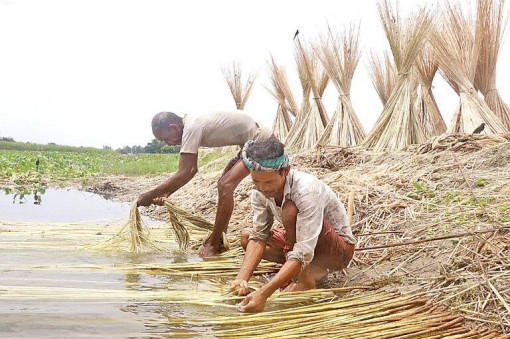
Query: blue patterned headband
x=265 y=165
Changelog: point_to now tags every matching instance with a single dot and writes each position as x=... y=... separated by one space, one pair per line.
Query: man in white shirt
x=217 y=129
x=317 y=238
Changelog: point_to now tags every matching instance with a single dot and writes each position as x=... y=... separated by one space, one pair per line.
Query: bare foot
x=295 y=287
x=208 y=251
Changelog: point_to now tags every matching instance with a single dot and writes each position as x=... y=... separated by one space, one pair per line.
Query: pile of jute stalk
x=363 y=315
x=212 y=296
x=435 y=217
x=418 y=200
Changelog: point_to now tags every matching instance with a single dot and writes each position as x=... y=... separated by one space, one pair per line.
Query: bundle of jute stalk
x=340 y=56
x=383 y=74
x=233 y=79
x=306 y=88
x=491 y=21
x=134 y=232
x=281 y=92
x=138 y=235
x=312 y=117
x=399 y=126
x=425 y=104
x=456 y=44
x=315 y=119
x=182 y=220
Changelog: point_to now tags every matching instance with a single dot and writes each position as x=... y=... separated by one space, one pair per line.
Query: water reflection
x=20 y=196
x=58 y=205
x=48 y=270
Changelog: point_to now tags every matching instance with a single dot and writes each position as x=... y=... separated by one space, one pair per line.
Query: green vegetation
x=421 y=192
x=21 y=165
x=28 y=146
x=481 y=182
x=155 y=146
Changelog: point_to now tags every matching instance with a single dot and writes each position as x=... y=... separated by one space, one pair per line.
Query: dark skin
x=188 y=167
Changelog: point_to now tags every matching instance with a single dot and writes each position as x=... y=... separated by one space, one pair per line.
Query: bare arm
x=188 y=167
x=256 y=301
x=288 y=271
x=252 y=257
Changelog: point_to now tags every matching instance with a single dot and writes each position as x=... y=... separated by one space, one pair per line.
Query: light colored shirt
x=220 y=129
x=315 y=202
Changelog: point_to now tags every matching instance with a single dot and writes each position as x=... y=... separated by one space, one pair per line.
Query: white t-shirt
x=220 y=129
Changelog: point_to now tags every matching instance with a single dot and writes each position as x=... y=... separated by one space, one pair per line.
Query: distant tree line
x=155 y=146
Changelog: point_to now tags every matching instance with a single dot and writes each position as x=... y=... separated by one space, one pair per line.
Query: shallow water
x=53 y=285
x=60 y=205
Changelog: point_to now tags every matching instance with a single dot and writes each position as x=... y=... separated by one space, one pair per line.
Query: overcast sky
x=94 y=72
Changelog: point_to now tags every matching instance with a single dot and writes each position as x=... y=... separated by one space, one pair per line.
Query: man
x=213 y=130
x=317 y=238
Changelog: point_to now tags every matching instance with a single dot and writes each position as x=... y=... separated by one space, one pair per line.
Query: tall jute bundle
x=340 y=57
x=239 y=92
x=398 y=126
x=491 y=22
x=457 y=45
x=304 y=108
x=425 y=104
x=282 y=122
x=316 y=118
x=383 y=74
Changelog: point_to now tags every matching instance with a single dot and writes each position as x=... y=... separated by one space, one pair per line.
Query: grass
x=65 y=165
x=20 y=167
x=28 y=146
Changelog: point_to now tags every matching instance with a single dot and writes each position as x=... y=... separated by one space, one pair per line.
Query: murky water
x=59 y=205
x=53 y=285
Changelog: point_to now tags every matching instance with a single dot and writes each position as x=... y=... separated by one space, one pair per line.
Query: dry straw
x=421 y=194
x=457 y=45
x=182 y=220
x=134 y=235
x=282 y=122
x=399 y=126
x=491 y=22
x=362 y=315
x=340 y=56
x=140 y=239
x=426 y=105
x=234 y=82
x=314 y=119
x=383 y=74
x=306 y=88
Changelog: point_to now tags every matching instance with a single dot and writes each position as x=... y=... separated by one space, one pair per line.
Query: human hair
x=164 y=119
x=266 y=149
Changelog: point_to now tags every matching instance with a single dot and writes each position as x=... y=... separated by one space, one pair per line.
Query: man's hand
x=144 y=200
x=254 y=302
x=239 y=287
